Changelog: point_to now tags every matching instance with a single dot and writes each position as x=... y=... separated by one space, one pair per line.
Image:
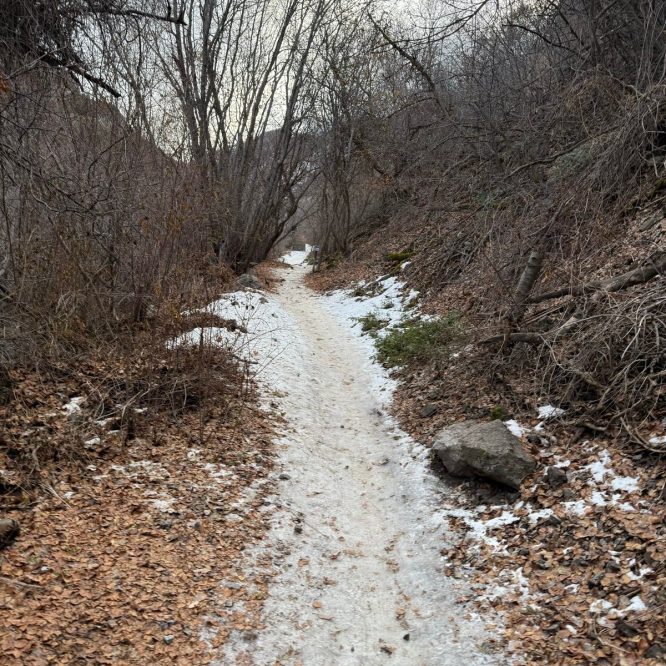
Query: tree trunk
x=525 y=284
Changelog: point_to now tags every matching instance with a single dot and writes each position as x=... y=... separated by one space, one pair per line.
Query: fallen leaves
x=123 y=561
x=586 y=587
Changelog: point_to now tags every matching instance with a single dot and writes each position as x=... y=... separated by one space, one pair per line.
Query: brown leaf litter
x=131 y=534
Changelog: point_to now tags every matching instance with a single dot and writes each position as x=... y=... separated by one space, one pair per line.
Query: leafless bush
x=608 y=360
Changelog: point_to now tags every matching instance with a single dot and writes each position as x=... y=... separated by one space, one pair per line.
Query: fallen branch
x=635 y=437
x=18 y=583
x=529 y=338
x=639 y=275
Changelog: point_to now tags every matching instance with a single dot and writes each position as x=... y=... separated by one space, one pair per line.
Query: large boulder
x=483 y=448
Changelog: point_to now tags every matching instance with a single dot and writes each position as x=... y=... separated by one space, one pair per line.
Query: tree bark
x=526 y=283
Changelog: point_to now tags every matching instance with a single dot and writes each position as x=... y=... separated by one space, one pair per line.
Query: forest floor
x=304 y=523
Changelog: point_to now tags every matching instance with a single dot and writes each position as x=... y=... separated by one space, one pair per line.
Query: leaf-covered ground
x=131 y=527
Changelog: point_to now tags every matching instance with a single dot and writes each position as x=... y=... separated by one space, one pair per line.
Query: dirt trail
x=355 y=540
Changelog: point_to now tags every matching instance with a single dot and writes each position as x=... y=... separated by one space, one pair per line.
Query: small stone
x=626 y=629
x=613 y=566
x=556 y=476
x=568 y=495
x=298 y=529
x=166 y=524
x=654 y=651
x=168 y=639
x=405 y=637
x=553 y=520
x=427 y=411
x=284 y=477
x=9 y=531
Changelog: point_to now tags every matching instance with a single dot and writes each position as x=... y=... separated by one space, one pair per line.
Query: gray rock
x=168 y=639
x=248 y=281
x=654 y=651
x=568 y=495
x=626 y=629
x=483 y=448
x=9 y=531
x=427 y=410
x=556 y=476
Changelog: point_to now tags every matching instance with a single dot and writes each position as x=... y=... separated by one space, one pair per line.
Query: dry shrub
x=613 y=359
x=136 y=389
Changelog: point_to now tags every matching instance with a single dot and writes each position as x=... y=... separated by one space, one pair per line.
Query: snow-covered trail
x=355 y=542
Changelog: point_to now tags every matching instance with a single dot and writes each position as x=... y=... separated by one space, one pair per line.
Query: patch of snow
x=547 y=412
x=522 y=582
x=658 y=439
x=389 y=303
x=644 y=571
x=514 y=427
x=628 y=484
x=604 y=607
x=92 y=442
x=578 y=507
x=74 y=405
x=602 y=473
x=270 y=330
x=600 y=606
x=636 y=605
x=163 y=504
x=219 y=472
x=600 y=468
x=598 y=499
x=296 y=257
x=536 y=516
